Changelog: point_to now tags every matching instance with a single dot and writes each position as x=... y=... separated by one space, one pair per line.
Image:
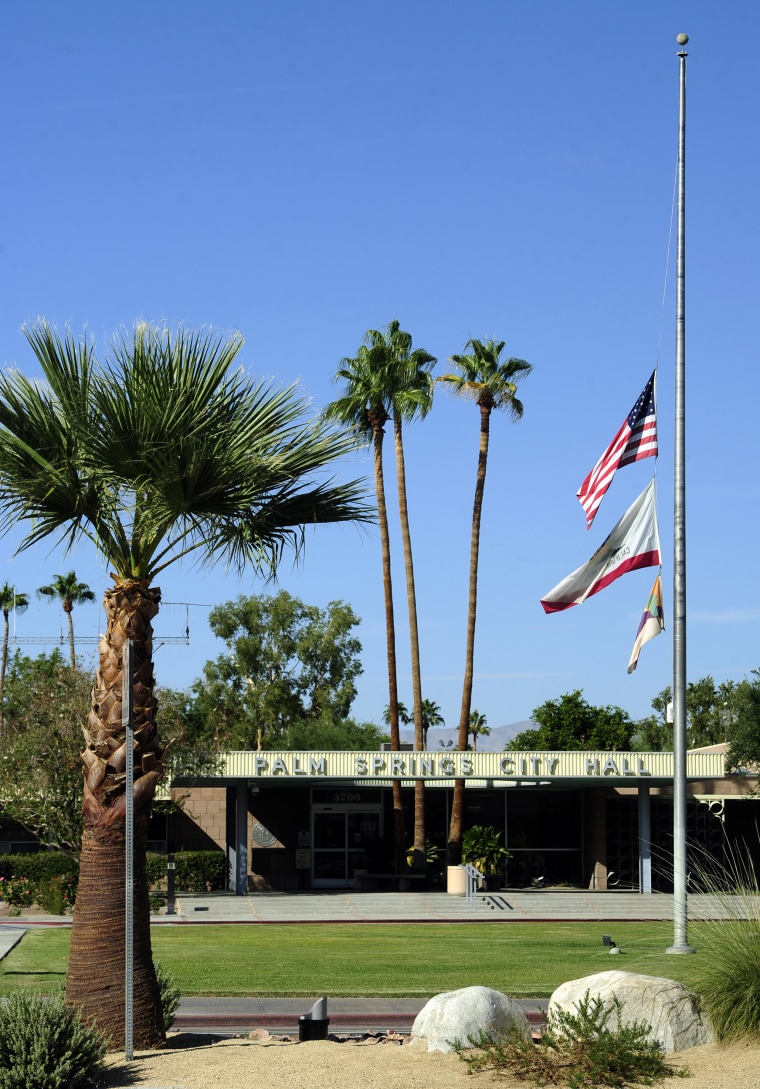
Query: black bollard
x=313 y=1025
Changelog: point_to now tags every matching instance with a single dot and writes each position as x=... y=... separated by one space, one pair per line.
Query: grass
x=528 y=960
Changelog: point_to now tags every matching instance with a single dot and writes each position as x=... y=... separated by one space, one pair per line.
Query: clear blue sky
x=305 y=171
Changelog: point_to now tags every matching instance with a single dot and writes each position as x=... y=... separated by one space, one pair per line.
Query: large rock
x=670 y=1008
x=467 y=1014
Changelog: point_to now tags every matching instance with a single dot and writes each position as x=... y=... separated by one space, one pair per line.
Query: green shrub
x=57 y=895
x=155 y=868
x=44 y=1045
x=17 y=891
x=200 y=871
x=37 y=877
x=170 y=995
x=727 y=976
x=580 y=1049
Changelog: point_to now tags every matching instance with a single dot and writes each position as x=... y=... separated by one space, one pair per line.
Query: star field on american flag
x=636 y=440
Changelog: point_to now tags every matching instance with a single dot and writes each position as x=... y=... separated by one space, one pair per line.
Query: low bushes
x=44 y=1045
x=590 y=1047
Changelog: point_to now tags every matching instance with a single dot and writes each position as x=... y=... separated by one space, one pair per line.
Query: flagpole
x=680 y=937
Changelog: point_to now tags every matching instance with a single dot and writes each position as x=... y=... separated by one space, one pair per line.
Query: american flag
x=636 y=439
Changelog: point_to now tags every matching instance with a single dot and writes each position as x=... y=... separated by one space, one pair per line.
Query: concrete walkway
x=231 y=1015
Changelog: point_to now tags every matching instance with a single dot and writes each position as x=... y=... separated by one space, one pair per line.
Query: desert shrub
x=727 y=977
x=585 y=1048
x=44 y=1045
x=170 y=994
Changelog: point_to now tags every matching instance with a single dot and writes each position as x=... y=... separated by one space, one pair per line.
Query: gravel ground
x=194 y=1063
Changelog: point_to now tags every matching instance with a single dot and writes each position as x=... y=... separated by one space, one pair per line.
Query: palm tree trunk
x=419 y=859
x=399 y=848
x=71 y=640
x=95 y=981
x=457 y=803
x=3 y=666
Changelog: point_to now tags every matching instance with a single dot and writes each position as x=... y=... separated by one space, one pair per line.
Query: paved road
x=226 y=1015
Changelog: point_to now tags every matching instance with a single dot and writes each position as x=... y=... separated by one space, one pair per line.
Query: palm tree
x=410 y=397
x=492 y=384
x=387 y=380
x=478 y=728
x=162 y=452
x=69 y=592
x=431 y=716
x=403 y=715
x=9 y=600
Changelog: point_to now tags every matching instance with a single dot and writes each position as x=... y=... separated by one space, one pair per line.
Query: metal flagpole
x=680 y=942
x=127 y=721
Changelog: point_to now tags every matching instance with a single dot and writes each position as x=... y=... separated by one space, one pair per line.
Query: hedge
x=194 y=871
x=51 y=876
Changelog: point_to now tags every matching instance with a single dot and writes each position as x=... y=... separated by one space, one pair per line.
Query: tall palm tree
x=70 y=592
x=491 y=383
x=387 y=380
x=411 y=396
x=9 y=600
x=431 y=716
x=162 y=452
x=478 y=728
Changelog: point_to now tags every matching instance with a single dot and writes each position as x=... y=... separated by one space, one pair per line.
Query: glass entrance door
x=340 y=835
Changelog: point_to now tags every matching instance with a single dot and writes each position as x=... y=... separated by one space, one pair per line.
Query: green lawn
x=411 y=959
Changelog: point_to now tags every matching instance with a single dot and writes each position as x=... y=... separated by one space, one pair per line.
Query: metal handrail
x=473 y=876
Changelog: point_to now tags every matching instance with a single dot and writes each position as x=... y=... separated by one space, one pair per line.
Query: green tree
x=285 y=663
x=711 y=711
x=326 y=732
x=70 y=592
x=165 y=451
x=9 y=601
x=478 y=728
x=41 y=780
x=744 y=747
x=491 y=383
x=570 y=723
x=387 y=380
x=403 y=714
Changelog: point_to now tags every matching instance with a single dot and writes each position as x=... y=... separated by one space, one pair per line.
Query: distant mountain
x=496 y=741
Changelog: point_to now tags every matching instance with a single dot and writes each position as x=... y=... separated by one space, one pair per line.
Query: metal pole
x=127 y=721
x=680 y=942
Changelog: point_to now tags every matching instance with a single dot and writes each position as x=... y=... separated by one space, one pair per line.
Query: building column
x=645 y=839
x=241 y=839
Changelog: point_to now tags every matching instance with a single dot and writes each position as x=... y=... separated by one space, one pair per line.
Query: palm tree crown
x=70 y=592
x=162 y=452
x=486 y=379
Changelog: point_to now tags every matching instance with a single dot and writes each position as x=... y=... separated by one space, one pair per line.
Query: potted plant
x=483 y=849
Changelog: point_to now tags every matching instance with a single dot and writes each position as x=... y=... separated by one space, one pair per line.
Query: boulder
x=467 y=1014
x=670 y=1008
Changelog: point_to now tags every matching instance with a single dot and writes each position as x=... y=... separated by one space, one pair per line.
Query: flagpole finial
x=682 y=40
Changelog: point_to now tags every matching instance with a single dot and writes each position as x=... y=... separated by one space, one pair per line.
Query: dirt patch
x=192 y=1062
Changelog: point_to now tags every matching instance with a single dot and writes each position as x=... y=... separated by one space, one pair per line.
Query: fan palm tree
x=431 y=716
x=162 y=452
x=478 y=728
x=387 y=380
x=69 y=592
x=9 y=600
x=491 y=383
